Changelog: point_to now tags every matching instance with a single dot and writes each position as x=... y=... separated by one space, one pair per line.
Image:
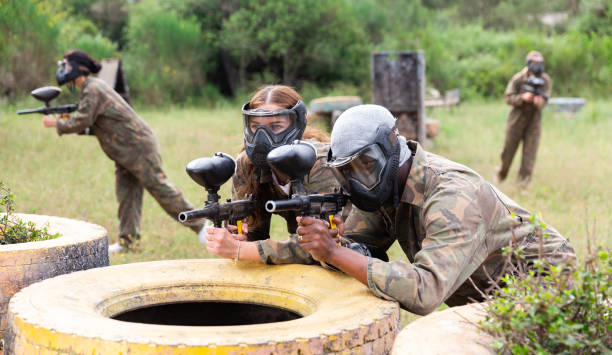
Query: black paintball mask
x=265 y=130
x=536 y=67
x=67 y=71
x=369 y=176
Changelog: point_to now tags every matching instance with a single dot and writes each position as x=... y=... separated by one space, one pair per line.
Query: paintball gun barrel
x=294 y=162
x=46 y=94
x=211 y=173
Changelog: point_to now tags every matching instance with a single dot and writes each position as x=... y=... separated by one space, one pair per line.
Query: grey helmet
x=366 y=152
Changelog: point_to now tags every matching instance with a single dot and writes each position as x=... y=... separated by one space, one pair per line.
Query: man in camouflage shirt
x=127 y=140
x=451 y=224
x=525 y=118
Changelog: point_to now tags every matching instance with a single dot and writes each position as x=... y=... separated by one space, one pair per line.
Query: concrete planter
x=452 y=331
x=81 y=246
x=207 y=306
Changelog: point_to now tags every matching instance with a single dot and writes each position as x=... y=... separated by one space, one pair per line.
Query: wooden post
x=398 y=83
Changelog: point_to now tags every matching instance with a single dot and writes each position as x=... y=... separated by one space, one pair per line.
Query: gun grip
x=332 y=225
x=239 y=225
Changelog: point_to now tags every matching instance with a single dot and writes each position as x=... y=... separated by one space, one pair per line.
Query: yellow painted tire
x=80 y=246
x=451 y=331
x=71 y=313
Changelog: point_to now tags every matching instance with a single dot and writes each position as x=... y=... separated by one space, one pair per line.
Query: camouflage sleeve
x=512 y=95
x=84 y=117
x=287 y=251
x=367 y=228
x=454 y=247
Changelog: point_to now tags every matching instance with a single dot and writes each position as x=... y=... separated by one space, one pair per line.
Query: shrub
x=14 y=230
x=165 y=54
x=28 y=37
x=552 y=310
x=298 y=40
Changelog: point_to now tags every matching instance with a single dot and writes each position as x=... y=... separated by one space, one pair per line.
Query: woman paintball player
x=275 y=116
x=126 y=139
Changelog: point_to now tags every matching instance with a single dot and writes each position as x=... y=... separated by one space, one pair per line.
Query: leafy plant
x=12 y=229
x=551 y=309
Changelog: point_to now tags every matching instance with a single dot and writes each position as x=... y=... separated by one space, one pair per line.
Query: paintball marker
x=211 y=173
x=46 y=94
x=293 y=162
x=535 y=85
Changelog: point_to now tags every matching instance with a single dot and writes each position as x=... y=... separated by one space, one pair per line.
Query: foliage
x=28 y=36
x=551 y=309
x=164 y=55
x=297 y=39
x=13 y=230
x=187 y=51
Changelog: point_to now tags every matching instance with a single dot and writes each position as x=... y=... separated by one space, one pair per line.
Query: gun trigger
x=332 y=225
x=239 y=225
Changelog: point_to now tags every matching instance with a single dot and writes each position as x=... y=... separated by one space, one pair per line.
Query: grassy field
x=70 y=176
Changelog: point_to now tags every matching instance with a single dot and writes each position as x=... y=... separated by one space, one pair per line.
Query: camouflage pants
x=526 y=128
x=129 y=186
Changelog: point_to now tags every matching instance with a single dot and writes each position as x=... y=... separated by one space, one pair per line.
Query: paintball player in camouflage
x=450 y=222
x=275 y=116
x=126 y=139
x=525 y=118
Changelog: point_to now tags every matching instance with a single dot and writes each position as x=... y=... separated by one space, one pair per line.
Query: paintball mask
x=536 y=67
x=265 y=130
x=369 y=176
x=67 y=71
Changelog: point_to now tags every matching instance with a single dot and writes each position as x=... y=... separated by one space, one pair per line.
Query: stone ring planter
x=80 y=246
x=207 y=306
x=451 y=331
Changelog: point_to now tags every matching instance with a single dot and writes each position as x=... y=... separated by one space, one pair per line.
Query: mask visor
x=365 y=167
x=276 y=124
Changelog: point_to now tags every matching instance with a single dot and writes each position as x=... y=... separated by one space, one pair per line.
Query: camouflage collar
x=415 y=184
x=86 y=82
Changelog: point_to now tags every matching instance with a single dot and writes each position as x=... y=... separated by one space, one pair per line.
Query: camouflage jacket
x=319 y=180
x=123 y=135
x=452 y=225
x=513 y=92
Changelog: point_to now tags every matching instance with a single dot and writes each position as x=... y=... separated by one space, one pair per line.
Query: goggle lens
x=365 y=168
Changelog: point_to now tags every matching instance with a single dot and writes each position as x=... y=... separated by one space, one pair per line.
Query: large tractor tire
x=80 y=246
x=207 y=306
x=451 y=331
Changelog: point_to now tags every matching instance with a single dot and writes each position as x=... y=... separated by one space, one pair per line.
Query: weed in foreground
x=12 y=229
x=550 y=309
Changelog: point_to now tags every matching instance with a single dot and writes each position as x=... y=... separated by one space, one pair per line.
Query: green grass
x=70 y=176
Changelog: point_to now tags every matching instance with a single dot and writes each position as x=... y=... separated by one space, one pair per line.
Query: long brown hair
x=286 y=97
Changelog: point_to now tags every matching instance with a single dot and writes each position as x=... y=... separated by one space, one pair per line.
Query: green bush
x=28 y=37
x=164 y=55
x=79 y=33
x=13 y=230
x=297 y=40
x=552 y=310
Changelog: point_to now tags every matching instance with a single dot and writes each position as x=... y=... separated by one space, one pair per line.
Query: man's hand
x=222 y=243
x=49 y=121
x=316 y=238
x=527 y=97
x=538 y=101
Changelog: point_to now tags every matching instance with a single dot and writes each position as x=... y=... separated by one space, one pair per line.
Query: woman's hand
x=222 y=243
x=49 y=121
x=316 y=238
